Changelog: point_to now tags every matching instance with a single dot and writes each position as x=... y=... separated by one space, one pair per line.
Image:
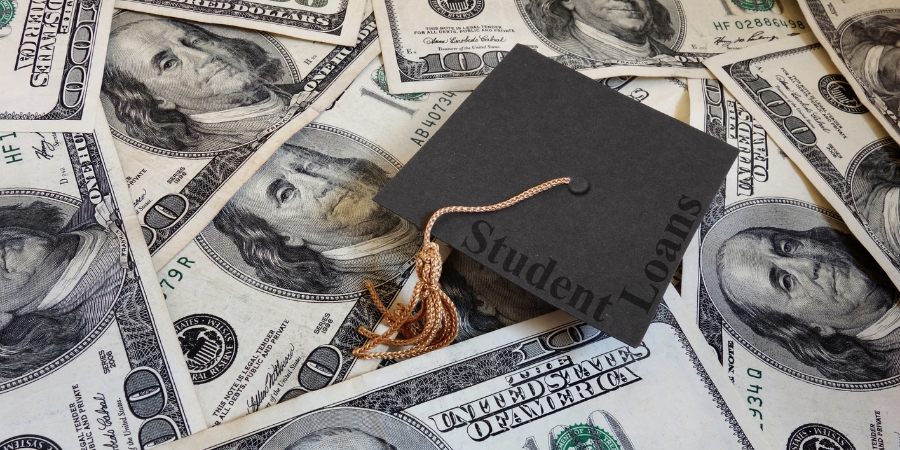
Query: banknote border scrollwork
x=422 y=428
x=220 y=170
x=710 y=386
x=818 y=12
x=58 y=111
x=134 y=318
x=336 y=20
x=417 y=389
x=708 y=318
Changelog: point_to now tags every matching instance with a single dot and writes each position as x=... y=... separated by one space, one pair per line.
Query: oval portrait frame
x=859 y=186
x=400 y=430
x=842 y=47
x=268 y=42
x=224 y=253
x=782 y=213
x=70 y=206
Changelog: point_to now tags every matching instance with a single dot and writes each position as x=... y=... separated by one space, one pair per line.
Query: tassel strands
x=430 y=320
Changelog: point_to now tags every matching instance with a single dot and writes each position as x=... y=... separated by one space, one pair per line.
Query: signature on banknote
x=729 y=44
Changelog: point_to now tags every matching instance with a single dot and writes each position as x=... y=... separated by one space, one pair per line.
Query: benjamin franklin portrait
x=875 y=184
x=59 y=276
x=606 y=29
x=187 y=87
x=306 y=221
x=871 y=49
x=806 y=290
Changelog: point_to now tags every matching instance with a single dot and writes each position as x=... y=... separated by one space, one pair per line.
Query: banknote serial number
x=11 y=153
x=438 y=112
x=747 y=24
x=755 y=401
x=174 y=276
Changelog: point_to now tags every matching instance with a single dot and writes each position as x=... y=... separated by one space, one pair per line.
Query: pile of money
x=187 y=226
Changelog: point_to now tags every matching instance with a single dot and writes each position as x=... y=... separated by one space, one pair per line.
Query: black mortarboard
x=606 y=255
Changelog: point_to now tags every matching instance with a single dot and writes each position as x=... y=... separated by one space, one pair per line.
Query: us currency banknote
x=862 y=39
x=330 y=21
x=195 y=109
x=549 y=383
x=453 y=44
x=288 y=314
x=52 y=53
x=801 y=316
x=274 y=286
x=88 y=355
x=810 y=110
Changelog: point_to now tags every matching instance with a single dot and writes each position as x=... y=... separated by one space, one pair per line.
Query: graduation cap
x=602 y=249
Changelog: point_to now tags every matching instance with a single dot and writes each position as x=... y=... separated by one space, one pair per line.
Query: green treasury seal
x=7 y=12
x=586 y=437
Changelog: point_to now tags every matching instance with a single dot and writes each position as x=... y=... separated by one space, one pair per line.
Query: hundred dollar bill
x=278 y=276
x=453 y=44
x=330 y=21
x=268 y=298
x=549 y=383
x=804 y=321
x=195 y=109
x=88 y=355
x=52 y=53
x=810 y=110
x=863 y=39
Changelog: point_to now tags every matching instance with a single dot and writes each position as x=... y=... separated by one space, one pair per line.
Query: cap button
x=579 y=186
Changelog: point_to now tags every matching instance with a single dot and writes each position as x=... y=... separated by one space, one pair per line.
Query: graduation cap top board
x=606 y=255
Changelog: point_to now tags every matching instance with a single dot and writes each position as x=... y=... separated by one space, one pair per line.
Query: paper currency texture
x=88 y=356
x=549 y=383
x=195 y=109
x=861 y=38
x=800 y=98
x=330 y=21
x=779 y=287
x=284 y=263
x=452 y=45
x=52 y=53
